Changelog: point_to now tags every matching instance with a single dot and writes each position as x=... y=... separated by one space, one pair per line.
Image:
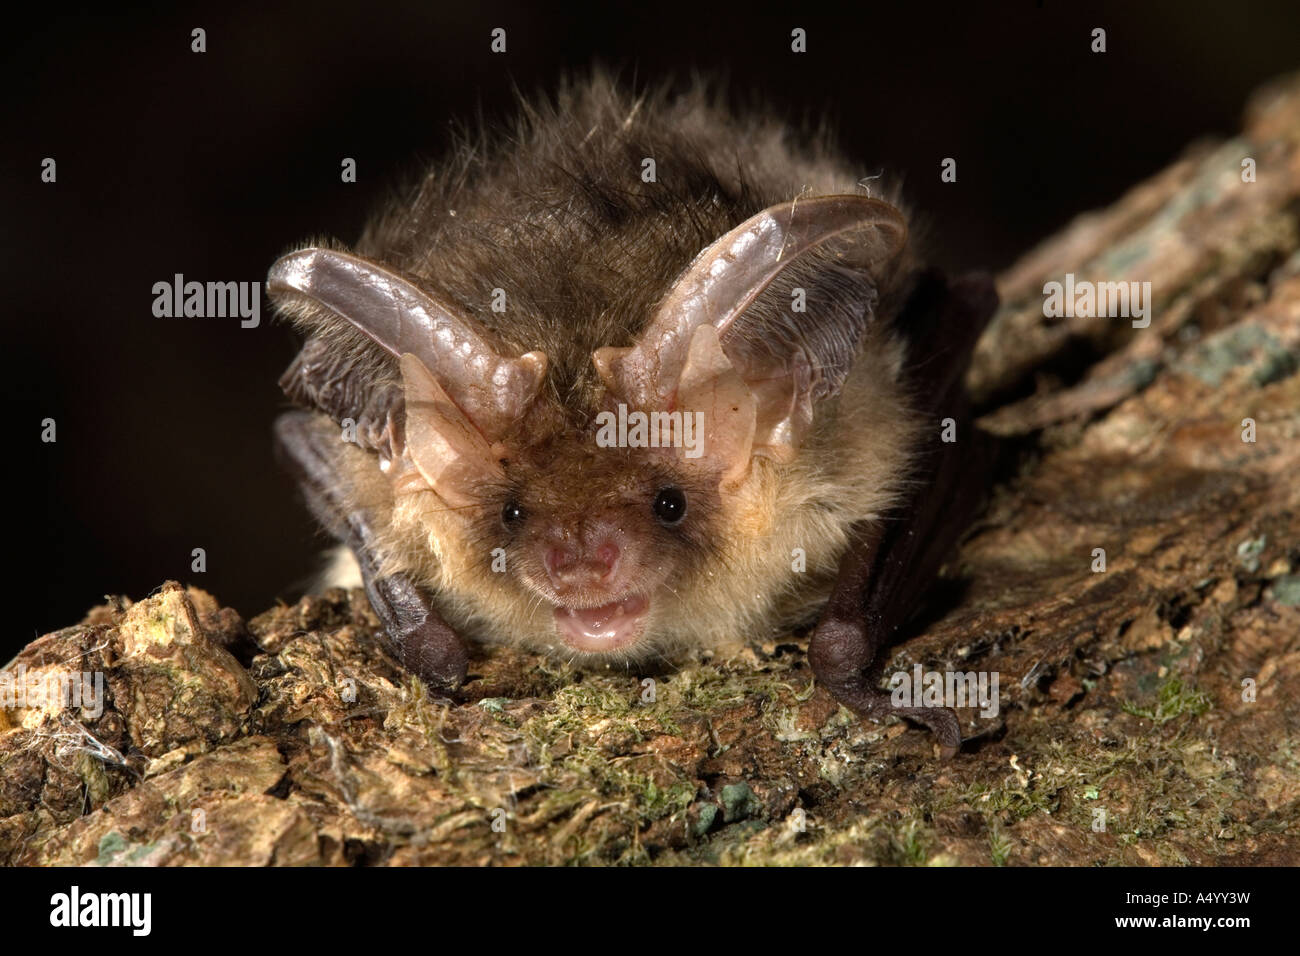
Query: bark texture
x=1161 y=691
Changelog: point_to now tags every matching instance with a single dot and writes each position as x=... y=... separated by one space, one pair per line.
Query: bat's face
x=639 y=519
x=601 y=540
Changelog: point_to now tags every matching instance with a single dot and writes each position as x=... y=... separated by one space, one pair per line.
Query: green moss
x=596 y=698
x=908 y=846
x=999 y=846
x=1013 y=803
x=1173 y=700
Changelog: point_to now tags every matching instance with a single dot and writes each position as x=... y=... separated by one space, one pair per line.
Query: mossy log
x=1148 y=711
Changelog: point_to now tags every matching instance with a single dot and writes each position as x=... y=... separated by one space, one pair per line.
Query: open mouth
x=605 y=628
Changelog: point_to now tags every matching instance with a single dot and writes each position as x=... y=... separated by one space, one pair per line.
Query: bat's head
x=653 y=509
x=598 y=536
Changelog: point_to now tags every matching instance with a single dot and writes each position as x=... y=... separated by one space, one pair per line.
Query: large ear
x=451 y=454
x=758 y=378
x=461 y=394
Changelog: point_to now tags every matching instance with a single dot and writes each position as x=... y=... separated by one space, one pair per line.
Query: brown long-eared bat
x=636 y=378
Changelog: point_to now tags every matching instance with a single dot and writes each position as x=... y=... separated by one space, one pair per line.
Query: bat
x=631 y=379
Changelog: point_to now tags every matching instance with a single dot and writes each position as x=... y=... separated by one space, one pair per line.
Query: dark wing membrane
x=884 y=577
x=335 y=382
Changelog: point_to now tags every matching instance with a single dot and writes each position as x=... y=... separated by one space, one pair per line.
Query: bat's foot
x=423 y=641
x=841 y=651
x=867 y=701
x=437 y=659
x=942 y=721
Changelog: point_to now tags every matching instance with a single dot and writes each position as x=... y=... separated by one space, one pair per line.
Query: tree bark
x=1146 y=708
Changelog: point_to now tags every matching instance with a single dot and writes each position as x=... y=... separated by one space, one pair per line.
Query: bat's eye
x=511 y=514
x=670 y=505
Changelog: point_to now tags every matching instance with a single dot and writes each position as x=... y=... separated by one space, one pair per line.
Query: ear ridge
x=492 y=389
x=729 y=275
x=710 y=384
x=447 y=449
x=785 y=364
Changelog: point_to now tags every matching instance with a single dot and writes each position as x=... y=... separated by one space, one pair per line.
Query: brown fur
x=555 y=213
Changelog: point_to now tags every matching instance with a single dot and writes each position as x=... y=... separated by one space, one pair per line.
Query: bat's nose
x=581 y=566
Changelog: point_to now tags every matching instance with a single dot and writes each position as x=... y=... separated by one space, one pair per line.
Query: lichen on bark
x=1160 y=690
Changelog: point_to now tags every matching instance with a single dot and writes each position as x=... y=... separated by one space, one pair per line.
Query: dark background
x=214 y=164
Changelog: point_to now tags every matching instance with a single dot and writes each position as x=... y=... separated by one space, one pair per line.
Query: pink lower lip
x=605 y=628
